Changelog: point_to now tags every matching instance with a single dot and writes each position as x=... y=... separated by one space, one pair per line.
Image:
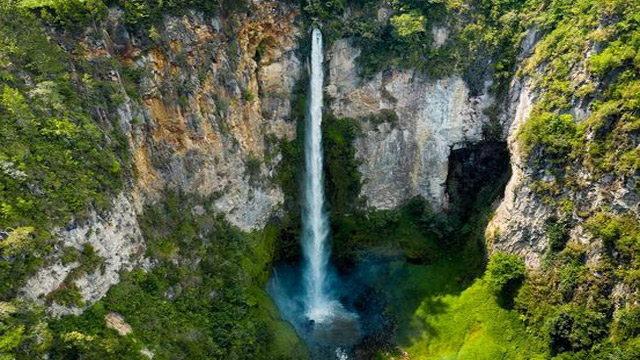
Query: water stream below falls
x=310 y=298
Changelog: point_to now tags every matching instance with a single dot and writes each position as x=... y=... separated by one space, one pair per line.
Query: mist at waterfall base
x=311 y=296
x=365 y=326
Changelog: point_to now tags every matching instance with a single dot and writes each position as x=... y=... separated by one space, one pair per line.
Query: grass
x=442 y=316
x=285 y=343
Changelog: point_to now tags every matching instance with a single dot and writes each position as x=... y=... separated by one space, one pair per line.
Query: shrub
x=557 y=231
x=67 y=294
x=504 y=273
x=620 y=232
x=385 y=116
x=612 y=57
x=248 y=96
x=627 y=323
x=576 y=328
x=408 y=24
x=571 y=275
x=69 y=14
x=343 y=178
x=554 y=135
x=537 y=299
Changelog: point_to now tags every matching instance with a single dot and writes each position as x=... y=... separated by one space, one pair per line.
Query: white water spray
x=316 y=251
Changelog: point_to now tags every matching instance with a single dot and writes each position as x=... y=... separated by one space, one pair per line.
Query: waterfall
x=310 y=299
x=315 y=222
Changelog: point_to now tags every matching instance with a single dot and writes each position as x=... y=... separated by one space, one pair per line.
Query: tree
x=505 y=273
x=408 y=24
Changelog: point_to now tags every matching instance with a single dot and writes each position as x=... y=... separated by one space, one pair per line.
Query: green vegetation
x=566 y=300
x=557 y=231
x=504 y=273
x=440 y=315
x=554 y=135
x=385 y=116
x=342 y=179
x=55 y=163
x=566 y=303
x=70 y=14
x=204 y=298
x=483 y=36
x=252 y=168
x=621 y=236
x=24 y=331
x=75 y=15
x=408 y=24
x=483 y=40
x=603 y=142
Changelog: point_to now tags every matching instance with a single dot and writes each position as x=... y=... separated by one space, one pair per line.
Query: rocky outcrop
x=214 y=97
x=114 y=237
x=519 y=217
x=204 y=102
x=519 y=223
x=407 y=157
x=116 y=322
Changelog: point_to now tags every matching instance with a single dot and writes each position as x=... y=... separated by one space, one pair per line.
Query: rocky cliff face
x=116 y=239
x=522 y=217
x=409 y=156
x=212 y=99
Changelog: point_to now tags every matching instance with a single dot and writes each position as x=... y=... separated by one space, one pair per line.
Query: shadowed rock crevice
x=476 y=172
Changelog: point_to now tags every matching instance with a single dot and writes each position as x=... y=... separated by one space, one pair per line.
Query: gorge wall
x=210 y=102
x=204 y=103
x=407 y=155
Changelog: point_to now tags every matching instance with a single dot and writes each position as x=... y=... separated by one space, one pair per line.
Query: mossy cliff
x=150 y=158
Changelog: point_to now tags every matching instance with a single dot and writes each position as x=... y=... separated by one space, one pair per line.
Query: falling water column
x=315 y=222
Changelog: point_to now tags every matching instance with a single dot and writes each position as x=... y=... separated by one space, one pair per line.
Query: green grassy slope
x=439 y=317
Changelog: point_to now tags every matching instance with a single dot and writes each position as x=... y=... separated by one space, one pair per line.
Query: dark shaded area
x=476 y=74
x=475 y=172
x=343 y=181
x=376 y=323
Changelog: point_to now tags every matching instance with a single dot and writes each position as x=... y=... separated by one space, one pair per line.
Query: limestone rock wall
x=410 y=157
x=520 y=220
x=211 y=100
x=215 y=95
x=114 y=236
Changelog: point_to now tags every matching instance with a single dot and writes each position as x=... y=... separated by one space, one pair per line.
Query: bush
x=575 y=329
x=557 y=232
x=69 y=14
x=385 y=116
x=343 y=178
x=616 y=55
x=408 y=24
x=621 y=237
x=627 y=323
x=571 y=275
x=504 y=274
x=553 y=135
